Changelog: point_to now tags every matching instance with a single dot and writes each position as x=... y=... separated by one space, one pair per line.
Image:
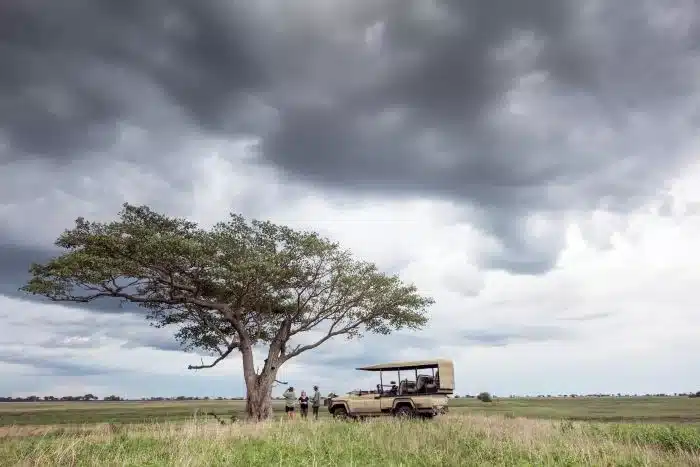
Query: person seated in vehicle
x=394 y=389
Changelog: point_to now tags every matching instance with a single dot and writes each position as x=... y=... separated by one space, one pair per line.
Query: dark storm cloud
x=421 y=111
x=55 y=367
x=15 y=261
x=73 y=69
x=604 y=73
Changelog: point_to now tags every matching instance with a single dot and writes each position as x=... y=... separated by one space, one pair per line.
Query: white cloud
x=640 y=286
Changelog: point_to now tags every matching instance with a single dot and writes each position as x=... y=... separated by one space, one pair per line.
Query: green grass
x=505 y=432
x=453 y=440
x=648 y=410
x=603 y=409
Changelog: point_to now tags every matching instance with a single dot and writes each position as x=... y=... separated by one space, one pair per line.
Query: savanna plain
x=632 y=431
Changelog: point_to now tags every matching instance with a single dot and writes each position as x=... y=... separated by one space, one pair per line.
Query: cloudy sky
x=531 y=168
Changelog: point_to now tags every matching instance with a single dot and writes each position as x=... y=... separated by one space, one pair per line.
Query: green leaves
x=234 y=286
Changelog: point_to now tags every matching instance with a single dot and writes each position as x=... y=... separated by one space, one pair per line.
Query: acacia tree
x=231 y=288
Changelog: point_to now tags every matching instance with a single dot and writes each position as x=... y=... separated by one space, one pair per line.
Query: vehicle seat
x=420 y=383
x=430 y=385
x=408 y=387
x=424 y=383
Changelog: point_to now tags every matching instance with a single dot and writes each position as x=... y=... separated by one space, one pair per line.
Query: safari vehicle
x=424 y=395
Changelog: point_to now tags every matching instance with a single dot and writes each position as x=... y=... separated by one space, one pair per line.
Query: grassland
x=454 y=440
x=506 y=432
x=637 y=409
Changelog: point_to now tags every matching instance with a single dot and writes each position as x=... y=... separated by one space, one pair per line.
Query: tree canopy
x=237 y=285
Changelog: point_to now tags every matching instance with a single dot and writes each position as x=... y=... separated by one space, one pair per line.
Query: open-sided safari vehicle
x=422 y=393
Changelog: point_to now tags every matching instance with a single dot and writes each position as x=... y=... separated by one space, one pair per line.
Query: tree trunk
x=259 y=396
x=258 y=387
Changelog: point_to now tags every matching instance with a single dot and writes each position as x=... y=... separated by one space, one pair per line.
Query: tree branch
x=105 y=291
x=327 y=311
x=331 y=333
x=233 y=346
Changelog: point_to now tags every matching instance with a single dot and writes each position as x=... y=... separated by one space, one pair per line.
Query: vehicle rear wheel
x=404 y=411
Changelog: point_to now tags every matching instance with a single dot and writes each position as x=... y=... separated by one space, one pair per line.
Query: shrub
x=484 y=397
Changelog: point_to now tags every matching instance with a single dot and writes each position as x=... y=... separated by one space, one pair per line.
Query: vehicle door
x=387 y=402
x=362 y=405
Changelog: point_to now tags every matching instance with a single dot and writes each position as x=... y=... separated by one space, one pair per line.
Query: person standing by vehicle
x=316 y=402
x=304 y=404
x=289 y=400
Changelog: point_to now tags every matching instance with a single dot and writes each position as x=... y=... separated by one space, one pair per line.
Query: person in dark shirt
x=304 y=404
x=394 y=391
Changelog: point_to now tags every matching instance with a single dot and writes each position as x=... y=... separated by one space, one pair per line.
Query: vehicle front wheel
x=404 y=412
x=340 y=413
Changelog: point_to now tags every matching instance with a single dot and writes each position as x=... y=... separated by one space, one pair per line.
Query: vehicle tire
x=339 y=413
x=404 y=411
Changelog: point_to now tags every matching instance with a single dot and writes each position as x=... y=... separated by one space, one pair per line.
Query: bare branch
x=328 y=311
x=331 y=333
x=233 y=346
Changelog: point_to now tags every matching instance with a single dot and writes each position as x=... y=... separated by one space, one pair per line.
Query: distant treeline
x=92 y=397
x=560 y=396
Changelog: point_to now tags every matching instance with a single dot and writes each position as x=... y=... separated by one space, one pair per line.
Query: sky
x=530 y=168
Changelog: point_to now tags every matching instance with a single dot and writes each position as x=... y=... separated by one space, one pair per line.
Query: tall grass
x=446 y=441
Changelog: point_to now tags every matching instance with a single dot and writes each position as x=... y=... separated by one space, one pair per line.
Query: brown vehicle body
x=422 y=392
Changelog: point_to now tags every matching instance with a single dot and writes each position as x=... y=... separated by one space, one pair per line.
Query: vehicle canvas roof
x=417 y=364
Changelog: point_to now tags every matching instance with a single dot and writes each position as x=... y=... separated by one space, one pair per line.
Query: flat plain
x=603 y=409
x=540 y=431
